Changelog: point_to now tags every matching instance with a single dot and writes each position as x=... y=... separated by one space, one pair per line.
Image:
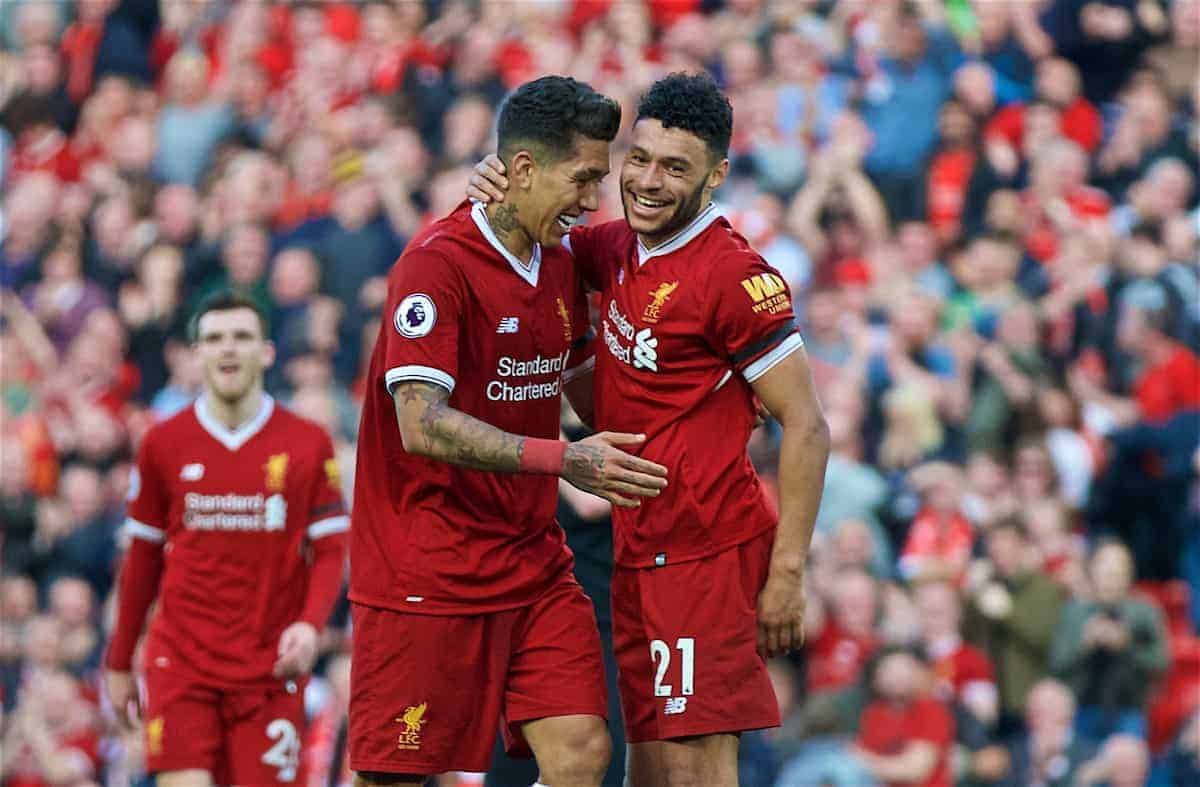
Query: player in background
x=695 y=329
x=466 y=612
x=237 y=528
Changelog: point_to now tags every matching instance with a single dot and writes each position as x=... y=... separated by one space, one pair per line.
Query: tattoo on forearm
x=455 y=437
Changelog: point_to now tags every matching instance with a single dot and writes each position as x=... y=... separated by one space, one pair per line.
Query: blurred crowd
x=986 y=210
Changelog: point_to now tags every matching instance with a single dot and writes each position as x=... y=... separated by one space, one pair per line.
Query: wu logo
x=508 y=325
x=763 y=285
x=645 y=351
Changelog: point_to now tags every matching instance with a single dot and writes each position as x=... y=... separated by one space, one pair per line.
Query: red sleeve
x=584 y=243
x=327 y=507
x=327 y=529
x=979 y=668
x=141 y=572
x=582 y=358
x=324 y=579
x=871 y=733
x=1082 y=123
x=425 y=300
x=1007 y=124
x=933 y=723
x=751 y=321
x=148 y=497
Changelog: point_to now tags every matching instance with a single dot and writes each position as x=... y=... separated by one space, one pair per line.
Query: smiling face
x=558 y=192
x=234 y=353
x=667 y=178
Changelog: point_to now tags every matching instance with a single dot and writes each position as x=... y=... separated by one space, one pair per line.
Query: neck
x=236 y=413
x=502 y=216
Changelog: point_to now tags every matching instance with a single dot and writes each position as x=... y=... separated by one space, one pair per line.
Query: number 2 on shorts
x=285 y=753
x=660 y=653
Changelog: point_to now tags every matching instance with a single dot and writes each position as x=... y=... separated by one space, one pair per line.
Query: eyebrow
x=590 y=173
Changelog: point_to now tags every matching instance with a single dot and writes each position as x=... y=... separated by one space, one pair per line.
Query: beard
x=685 y=211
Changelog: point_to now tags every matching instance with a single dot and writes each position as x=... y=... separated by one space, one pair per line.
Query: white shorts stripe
x=767 y=362
x=327 y=527
x=424 y=374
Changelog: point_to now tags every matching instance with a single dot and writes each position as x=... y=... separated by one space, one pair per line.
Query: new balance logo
x=192 y=472
x=645 y=352
x=675 y=706
x=508 y=325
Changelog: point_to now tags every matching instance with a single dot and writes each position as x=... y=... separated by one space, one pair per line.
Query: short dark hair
x=543 y=117
x=693 y=103
x=226 y=301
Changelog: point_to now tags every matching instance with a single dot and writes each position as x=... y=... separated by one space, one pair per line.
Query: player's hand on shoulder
x=123 y=694
x=297 y=650
x=487 y=183
x=596 y=465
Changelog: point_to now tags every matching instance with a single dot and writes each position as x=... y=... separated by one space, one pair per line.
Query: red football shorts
x=428 y=691
x=686 y=638
x=241 y=736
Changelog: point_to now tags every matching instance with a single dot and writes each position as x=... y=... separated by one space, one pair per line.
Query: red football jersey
x=887 y=728
x=685 y=328
x=502 y=337
x=236 y=510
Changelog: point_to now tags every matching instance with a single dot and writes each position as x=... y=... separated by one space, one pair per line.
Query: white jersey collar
x=233 y=439
x=682 y=238
x=528 y=272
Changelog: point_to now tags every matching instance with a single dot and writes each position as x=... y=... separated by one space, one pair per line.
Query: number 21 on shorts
x=660 y=653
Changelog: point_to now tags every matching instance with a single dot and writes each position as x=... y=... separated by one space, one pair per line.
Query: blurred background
x=987 y=212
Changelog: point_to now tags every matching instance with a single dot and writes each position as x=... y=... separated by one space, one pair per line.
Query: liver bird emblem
x=414 y=717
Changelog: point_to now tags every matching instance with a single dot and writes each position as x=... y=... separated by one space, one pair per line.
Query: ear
x=718 y=175
x=268 y=354
x=521 y=169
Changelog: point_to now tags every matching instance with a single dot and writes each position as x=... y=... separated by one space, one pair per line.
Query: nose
x=650 y=178
x=590 y=200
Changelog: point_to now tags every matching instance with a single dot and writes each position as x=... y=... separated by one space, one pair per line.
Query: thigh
x=687 y=648
x=182 y=729
x=264 y=729
x=425 y=690
x=556 y=668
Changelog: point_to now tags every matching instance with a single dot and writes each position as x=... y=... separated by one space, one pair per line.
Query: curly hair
x=694 y=103
x=545 y=115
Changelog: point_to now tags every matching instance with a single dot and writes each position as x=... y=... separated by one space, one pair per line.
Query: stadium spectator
x=1066 y=125
x=1049 y=752
x=906 y=736
x=1012 y=614
x=1110 y=648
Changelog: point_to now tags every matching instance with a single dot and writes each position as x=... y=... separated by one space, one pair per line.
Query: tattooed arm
x=430 y=427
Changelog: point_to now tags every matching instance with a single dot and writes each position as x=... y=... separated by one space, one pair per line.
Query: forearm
x=802 y=457
x=911 y=766
x=451 y=435
x=430 y=427
x=138 y=588
x=867 y=205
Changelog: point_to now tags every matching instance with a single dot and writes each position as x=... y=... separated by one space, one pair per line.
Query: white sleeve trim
x=425 y=374
x=327 y=527
x=136 y=529
x=579 y=369
x=766 y=363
